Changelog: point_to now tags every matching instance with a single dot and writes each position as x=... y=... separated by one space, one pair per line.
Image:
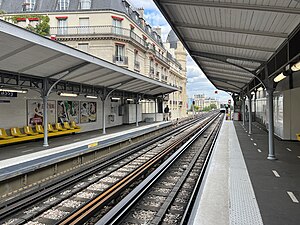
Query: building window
x=63 y=4
x=117 y=26
x=28 y=5
x=85 y=4
x=62 y=26
x=119 y=56
x=84 y=24
x=83 y=47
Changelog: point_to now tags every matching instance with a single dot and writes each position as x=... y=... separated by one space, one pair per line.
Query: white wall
x=14 y=114
x=286 y=113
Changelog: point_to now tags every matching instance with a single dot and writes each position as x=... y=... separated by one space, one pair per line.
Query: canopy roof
x=23 y=52
x=232 y=41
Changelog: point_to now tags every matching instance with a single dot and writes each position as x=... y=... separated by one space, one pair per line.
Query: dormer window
x=85 y=4
x=63 y=4
x=28 y=5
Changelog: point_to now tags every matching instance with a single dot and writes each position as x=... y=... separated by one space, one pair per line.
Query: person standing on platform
x=166 y=113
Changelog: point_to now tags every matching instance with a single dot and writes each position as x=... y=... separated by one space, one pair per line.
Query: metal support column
x=136 y=111
x=243 y=109
x=155 y=110
x=255 y=97
x=250 y=114
x=103 y=116
x=271 y=155
x=45 y=120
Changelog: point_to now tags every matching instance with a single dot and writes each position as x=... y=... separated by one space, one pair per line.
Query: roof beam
x=223 y=44
x=225 y=57
x=40 y=63
x=217 y=64
x=225 y=71
x=230 y=84
x=16 y=51
x=97 y=77
x=232 y=6
x=221 y=78
x=241 y=78
x=231 y=30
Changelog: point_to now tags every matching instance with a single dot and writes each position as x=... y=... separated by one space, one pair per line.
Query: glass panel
x=119 y=53
x=117 y=27
x=63 y=4
x=85 y=4
x=62 y=27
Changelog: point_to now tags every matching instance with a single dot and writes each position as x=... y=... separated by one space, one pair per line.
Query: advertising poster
x=88 y=112
x=35 y=111
x=67 y=111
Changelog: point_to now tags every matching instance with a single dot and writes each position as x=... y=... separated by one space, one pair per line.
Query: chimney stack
x=141 y=12
x=158 y=30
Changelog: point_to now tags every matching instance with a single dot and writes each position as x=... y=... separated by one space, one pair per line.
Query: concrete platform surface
x=227 y=196
x=243 y=187
x=25 y=157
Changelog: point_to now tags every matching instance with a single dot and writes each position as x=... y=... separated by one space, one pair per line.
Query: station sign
x=8 y=94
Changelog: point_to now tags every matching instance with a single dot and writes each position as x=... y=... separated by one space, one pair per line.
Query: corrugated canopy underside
x=229 y=39
x=23 y=52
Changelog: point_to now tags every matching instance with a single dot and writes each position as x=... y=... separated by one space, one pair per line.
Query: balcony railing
x=137 y=65
x=120 y=60
x=97 y=31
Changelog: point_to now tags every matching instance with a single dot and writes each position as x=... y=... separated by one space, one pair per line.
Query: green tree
x=206 y=109
x=213 y=106
x=42 y=28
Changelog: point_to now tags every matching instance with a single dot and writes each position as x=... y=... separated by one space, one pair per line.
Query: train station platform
x=243 y=187
x=21 y=158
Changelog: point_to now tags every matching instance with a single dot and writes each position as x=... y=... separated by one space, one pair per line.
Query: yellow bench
x=74 y=125
x=3 y=134
x=15 y=131
x=39 y=129
x=50 y=128
x=18 y=136
x=67 y=126
x=59 y=127
x=28 y=130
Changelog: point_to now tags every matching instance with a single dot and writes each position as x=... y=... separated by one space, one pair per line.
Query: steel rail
x=120 y=210
x=199 y=182
x=84 y=213
x=15 y=205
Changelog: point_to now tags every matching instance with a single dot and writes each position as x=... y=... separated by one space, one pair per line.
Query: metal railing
x=108 y=30
x=120 y=60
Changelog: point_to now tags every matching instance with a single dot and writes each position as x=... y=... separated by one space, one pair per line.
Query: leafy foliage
x=42 y=27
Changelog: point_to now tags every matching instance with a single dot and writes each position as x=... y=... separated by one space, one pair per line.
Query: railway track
x=55 y=204
x=168 y=194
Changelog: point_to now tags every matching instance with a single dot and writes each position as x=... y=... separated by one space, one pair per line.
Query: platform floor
x=23 y=157
x=243 y=187
x=23 y=148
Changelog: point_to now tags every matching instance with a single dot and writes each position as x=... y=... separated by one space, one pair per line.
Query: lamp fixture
x=130 y=99
x=279 y=77
x=115 y=99
x=68 y=94
x=22 y=91
x=91 y=96
x=296 y=67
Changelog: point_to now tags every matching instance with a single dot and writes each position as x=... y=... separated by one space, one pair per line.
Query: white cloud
x=146 y=4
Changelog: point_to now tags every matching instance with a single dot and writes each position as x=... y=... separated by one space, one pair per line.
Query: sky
x=197 y=81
